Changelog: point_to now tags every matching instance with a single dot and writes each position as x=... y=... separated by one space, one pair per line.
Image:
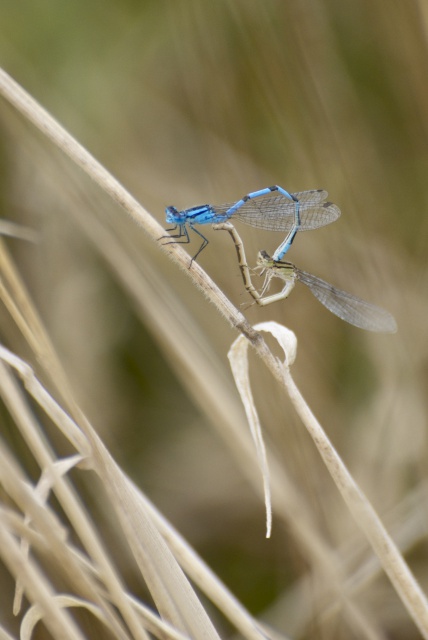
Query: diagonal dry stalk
x=364 y=515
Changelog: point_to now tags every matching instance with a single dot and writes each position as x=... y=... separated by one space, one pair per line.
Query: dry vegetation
x=131 y=501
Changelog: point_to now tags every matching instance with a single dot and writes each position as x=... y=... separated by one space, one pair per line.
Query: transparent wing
x=314 y=211
x=315 y=196
x=349 y=308
x=272 y=212
x=275 y=212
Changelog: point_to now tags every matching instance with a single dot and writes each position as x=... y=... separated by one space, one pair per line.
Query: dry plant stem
x=365 y=516
x=35 y=584
x=188 y=559
x=59 y=622
x=361 y=509
x=205 y=392
x=123 y=494
x=242 y=259
x=392 y=562
x=32 y=110
x=11 y=395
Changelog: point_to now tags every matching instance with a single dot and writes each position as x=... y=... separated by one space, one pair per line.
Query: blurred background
x=199 y=102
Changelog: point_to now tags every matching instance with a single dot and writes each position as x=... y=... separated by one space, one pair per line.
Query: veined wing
x=314 y=211
x=314 y=196
x=275 y=212
x=272 y=212
x=348 y=307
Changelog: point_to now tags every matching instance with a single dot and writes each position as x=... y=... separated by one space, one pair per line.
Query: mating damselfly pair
x=270 y=209
x=275 y=209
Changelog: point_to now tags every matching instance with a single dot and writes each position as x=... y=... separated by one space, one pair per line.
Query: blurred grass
x=202 y=102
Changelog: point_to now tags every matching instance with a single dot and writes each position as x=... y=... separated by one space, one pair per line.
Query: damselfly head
x=172 y=214
x=264 y=259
